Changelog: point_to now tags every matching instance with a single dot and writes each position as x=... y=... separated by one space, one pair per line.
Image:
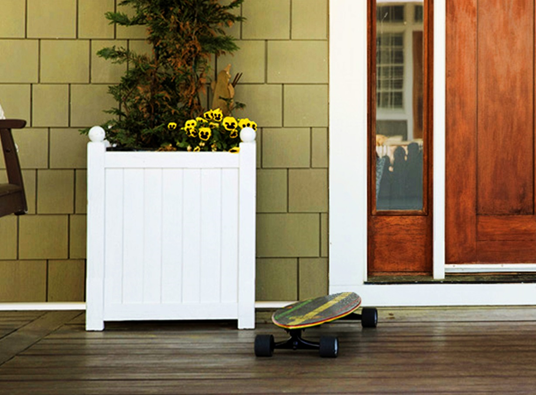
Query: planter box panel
x=195 y=227
x=191 y=245
x=113 y=235
x=229 y=236
x=176 y=242
x=172 y=244
x=132 y=267
x=211 y=234
x=170 y=160
x=153 y=220
x=179 y=311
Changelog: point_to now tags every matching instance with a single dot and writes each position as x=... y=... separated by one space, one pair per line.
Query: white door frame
x=348 y=176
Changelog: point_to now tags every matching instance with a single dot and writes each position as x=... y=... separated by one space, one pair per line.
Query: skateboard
x=298 y=316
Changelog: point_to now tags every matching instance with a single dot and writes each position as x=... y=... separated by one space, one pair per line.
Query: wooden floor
x=428 y=351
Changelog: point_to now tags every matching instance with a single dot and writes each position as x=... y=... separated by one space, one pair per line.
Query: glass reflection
x=399 y=105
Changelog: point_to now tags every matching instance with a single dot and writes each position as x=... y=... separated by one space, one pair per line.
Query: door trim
x=491 y=268
x=348 y=175
x=348 y=155
x=347 y=152
x=439 y=137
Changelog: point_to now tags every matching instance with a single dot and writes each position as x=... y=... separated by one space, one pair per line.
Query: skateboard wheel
x=329 y=347
x=369 y=317
x=264 y=345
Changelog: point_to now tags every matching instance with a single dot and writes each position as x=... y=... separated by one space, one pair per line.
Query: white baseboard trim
x=429 y=295
x=491 y=268
x=388 y=295
x=44 y=306
x=272 y=304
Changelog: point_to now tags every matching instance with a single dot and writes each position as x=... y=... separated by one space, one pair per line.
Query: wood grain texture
x=399 y=244
x=490 y=132
x=461 y=132
x=28 y=334
x=506 y=227
x=506 y=251
x=413 y=350
x=505 y=107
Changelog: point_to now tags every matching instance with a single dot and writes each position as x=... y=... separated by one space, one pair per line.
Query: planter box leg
x=247 y=321
x=94 y=324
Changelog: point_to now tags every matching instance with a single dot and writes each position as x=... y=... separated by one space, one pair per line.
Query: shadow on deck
x=413 y=350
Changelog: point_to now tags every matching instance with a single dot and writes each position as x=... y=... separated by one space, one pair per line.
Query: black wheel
x=264 y=345
x=369 y=317
x=329 y=347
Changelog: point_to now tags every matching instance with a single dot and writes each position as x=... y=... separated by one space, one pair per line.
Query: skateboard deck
x=316 y=311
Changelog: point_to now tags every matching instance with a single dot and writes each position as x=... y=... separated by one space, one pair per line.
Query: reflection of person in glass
x=414 y=177
x=399 y=185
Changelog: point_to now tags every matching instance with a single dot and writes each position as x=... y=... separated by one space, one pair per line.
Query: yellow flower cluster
x=212 y=132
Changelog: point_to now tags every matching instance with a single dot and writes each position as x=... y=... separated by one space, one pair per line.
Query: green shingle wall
x=51 y=77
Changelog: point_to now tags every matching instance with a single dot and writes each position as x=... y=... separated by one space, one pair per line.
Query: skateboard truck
x=328 y=346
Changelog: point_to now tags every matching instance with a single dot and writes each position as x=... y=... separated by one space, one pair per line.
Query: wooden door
x=490 y=152
x=400 y=142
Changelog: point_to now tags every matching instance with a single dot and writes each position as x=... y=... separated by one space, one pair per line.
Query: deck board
x=413 y=350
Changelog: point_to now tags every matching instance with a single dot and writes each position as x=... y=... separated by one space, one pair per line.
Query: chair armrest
x=12 y=123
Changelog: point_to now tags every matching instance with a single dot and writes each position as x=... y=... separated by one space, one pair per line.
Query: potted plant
x=171 y=234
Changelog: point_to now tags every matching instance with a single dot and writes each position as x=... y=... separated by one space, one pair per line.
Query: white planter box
x=170 y=235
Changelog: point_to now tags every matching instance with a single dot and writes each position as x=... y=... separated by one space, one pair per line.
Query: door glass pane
x=399 y=105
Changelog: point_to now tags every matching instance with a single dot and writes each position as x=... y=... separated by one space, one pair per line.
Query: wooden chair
x=12 y=195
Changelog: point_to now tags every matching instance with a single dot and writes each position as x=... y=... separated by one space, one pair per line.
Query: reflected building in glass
x=399 y=105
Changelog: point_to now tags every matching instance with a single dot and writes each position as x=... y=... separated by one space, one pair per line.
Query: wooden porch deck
x=430 y=351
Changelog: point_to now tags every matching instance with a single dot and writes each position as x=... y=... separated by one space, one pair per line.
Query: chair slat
x=12 y=193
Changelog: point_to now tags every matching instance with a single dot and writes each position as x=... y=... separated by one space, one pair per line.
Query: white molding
x=348 y=153
x=439 y=155
x=447 y=294
x=347 y=147
x=492 y=268
x=45 y=306
x=273 y=304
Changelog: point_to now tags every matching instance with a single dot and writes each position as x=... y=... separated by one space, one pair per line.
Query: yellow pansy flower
x=246 y=123
x=234 y=134
x=217 y=115
x=192 y=132
x=205 y=133
x=197 y=149
x=209 y=115
x=229 y=123
x=172 y=126
x=235 y=150
x=191 y=123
